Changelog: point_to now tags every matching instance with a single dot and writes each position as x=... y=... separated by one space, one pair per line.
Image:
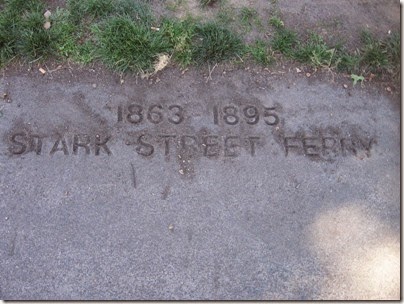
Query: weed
x=315 y=52
x=128 y=46
x=356 y=78
x=284 y=41
x=261 y=53
x=276 y=22
x=213 y=43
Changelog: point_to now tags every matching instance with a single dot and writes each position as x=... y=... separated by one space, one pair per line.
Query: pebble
x=47 y=25
x=47 y=14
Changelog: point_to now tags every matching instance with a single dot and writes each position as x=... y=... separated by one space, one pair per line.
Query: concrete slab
x=242 y=188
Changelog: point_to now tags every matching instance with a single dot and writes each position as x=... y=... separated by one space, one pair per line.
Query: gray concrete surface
x=306 y=208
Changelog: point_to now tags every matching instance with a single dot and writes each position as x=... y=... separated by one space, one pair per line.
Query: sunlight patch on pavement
x=359 y=252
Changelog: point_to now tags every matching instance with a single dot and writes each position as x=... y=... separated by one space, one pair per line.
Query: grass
x=89 y=8
x=249 y=17
x=261 y=53
x=8 y=37
x=22 y=32
x=65 y=33
x=34 y=40
x=180 y=35
x=276 y=22
x=173 y=5
x=213 y=43
x=126 y=45
x=393 y=47
x=349 y=62
x=89 y=11
x=125 y=36
x=226 y=15
x=284 y=41
x=374 y=54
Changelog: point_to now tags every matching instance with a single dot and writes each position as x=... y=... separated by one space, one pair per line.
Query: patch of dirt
x=342 y=20
x=258 y=76
x=339 y=21
x=182 y=9
x=52 y=5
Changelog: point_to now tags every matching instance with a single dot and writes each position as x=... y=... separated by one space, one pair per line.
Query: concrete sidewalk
x=247 y=188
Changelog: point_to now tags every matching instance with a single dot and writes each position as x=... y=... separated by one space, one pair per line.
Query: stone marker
x=187 y=190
